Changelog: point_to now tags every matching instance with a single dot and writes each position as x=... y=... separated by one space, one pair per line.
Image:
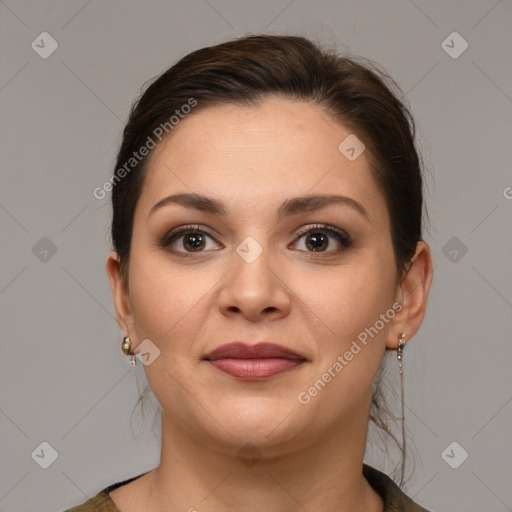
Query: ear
x=412 y=294
x=120 y=296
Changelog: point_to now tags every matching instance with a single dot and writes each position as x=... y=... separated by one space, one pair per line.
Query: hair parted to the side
x=353 y=91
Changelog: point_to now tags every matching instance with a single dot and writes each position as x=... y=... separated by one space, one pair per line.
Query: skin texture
x=253 y=159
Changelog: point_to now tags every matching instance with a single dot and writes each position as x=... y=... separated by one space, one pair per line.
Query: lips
x=254 y=362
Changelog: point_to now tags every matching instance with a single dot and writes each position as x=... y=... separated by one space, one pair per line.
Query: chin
x=264 y=423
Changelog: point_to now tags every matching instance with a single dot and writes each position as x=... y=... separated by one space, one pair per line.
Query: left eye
x=318 y=239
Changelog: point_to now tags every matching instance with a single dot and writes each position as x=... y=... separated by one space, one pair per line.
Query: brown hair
x=247 y=70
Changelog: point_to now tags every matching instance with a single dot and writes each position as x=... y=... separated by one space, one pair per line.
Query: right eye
x=187 y=240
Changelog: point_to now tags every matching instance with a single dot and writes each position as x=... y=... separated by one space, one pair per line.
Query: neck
x=326 y=475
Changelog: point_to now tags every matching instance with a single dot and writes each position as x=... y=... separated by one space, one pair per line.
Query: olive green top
x=392 y=496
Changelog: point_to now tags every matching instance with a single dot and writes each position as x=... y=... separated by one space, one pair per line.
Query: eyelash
x=341 y=236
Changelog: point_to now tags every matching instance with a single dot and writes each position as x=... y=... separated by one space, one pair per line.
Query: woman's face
x=259 y=261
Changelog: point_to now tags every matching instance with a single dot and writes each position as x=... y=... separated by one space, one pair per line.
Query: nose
x=255 y=290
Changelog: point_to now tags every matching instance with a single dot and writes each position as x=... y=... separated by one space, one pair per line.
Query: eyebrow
x=291 y=206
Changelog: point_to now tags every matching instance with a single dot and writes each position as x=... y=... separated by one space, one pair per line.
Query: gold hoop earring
x=125 y=347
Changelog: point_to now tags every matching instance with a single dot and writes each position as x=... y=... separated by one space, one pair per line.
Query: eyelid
x=326 y=227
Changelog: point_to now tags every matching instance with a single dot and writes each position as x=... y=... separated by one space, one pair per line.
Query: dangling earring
x=125 y=347
x=400 y=353
x=399 y=356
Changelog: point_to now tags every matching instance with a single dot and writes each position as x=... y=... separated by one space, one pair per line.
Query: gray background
x=63 y=378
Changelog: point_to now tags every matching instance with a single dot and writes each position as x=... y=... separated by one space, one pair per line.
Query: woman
x=267 y=213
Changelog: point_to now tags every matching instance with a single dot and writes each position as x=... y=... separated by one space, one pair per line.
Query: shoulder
x=102 y=502
x=395 y=500
x=99 y=503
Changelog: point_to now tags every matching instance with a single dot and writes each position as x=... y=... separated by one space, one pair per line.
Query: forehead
x=249 y=156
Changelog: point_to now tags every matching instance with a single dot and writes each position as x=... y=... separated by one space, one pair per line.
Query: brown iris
x=317 y=242
x=193 y=242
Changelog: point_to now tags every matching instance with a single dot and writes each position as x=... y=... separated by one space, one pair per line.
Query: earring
x=399 y=356
x=400 y=352
x=125 y=347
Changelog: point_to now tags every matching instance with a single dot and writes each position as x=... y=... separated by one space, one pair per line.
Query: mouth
x=254 y=362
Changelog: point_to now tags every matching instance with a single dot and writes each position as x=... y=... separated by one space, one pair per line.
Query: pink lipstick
x=254 y=362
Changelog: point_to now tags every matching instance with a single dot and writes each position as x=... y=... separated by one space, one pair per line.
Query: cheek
x=170 y=302
x=355 y=310
x=167 y=309
x=349 y=298
x=160 y=296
